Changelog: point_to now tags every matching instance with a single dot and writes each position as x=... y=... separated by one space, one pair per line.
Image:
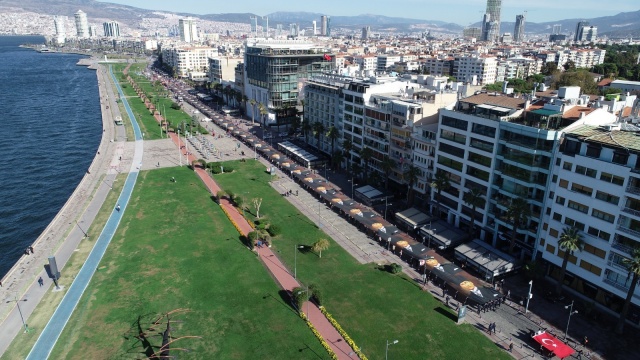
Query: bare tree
x=256 y=204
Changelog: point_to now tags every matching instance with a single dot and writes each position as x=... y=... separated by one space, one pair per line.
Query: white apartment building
x=385 y=62
x=188 y=30
x=366 y=62
x=583 y=58
x=475 y=69
x=82 y=24
x=596 y=190
x=187 y=61
x=517 y=68
x=61 y=30
x=222 y=70
x=423 y=140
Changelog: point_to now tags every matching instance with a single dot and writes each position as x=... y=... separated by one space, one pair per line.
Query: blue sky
x=462 y=12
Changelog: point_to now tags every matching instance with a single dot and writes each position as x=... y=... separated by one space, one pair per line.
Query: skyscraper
x=579 y=30
x=518 y=32
x=61 y=31
x=323 y=25
x=188 y=30
x=111 y=29
x=315 y=28
x=82 y=25
x=557 y=28
x=366 y=32
x=491 y=23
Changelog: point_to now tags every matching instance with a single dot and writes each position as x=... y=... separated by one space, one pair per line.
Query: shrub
x=262 y=226
x=394 y=268
x=299 y=295
x=274 y=230
x=175 y=106
x=316 y=294
x=253 y=236
x=221 y=194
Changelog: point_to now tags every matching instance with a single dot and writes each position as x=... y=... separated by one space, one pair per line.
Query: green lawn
x=175 y=249
x=371 y=305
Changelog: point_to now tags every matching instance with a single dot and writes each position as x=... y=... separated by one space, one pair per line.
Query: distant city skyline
x=473 y=10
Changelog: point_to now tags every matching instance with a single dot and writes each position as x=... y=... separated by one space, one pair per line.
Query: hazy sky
x=462 y=12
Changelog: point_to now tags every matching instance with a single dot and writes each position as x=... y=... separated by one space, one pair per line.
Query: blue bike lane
x=51 y=332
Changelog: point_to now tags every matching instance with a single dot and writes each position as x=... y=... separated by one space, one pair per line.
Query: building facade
x=518 y=31
x=111 y=29
x=188 y=60
x=188 y=30
x=82 y=24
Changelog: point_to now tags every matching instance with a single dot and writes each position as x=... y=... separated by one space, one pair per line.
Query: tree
x=518 y=214
x=300 y=295
x=253 y=103
x=549 y=68
x=386 y=165
x=633 y=266
x=306 y=129
x=569 y=65
x=347 y=146
x=319 y=246
x=332 y=134
x=365 y=156
x=570 y=240
x=337 y=157
x=474 y=199
x=263 y=111
x=256 y=204
x=318 y=130
x=441 y=182
x=411 y=176
x=244 y=100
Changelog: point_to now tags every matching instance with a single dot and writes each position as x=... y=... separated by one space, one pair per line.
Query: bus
x=227 y=111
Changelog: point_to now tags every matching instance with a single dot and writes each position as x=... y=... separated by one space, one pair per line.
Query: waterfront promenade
x=68 y=228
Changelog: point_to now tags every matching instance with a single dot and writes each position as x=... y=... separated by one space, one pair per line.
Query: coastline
x=63 y=234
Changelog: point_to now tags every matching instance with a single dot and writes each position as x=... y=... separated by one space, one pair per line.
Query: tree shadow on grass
x=139 y=334
x=446 y=313
x=284 y=298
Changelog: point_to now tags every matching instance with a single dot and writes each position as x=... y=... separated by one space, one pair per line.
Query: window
x=482 y=145
x=617 y=180
x=576 y=224
x=586 y=171
x=612 y=199
x=620 y=158
x=567 y=166
x=479 y=159
x=456 y=123
x=480 y=174
x=560 y=200
x=593 y=151
x=578 y=207
x=599 y=233
x=572 y=258
x=449 y=149
x=553 y=232
x=443 y=160
x=595 y=251
x=590 y=267
x=551 y=248
x=563 y=183
x=557 y=217
x=453 y=136
x=483 y=130
x=603 y=215
x=581 y=189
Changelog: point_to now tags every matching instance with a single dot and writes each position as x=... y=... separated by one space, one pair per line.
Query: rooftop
x=628 y=140
x=497 y=100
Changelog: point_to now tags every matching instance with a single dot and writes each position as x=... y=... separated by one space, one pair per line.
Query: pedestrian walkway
x=50 y=334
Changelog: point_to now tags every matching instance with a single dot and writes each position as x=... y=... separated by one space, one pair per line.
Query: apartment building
x=385 y=62
x=475 y=69
x=582 y=58
x=188 y=61
x=597 y=190
x=222 y=70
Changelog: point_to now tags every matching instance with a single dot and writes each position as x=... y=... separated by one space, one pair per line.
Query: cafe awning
x=413 y=218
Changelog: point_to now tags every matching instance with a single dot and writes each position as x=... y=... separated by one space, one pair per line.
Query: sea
x=50 y=129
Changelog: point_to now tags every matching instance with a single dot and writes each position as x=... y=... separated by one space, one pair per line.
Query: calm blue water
x=51 y=127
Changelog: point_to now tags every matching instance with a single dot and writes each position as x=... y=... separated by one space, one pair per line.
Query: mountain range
x=621 y=25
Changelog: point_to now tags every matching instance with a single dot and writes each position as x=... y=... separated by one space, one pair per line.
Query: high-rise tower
x=491 y=24
x=61 y=31
x=82 y=24
x=188 y=30
x=518 y=31
x=323 y=25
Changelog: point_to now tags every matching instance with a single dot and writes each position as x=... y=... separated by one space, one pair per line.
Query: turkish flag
x=554 y=345
x=327 y=57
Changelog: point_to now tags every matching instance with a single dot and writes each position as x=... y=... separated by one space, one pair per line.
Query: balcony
x=628 y=231
x=631 y=211
x=621 y=247
x=616 y=284
x=633 y=190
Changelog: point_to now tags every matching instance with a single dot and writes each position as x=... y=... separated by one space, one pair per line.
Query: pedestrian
x=447 y=300
x=511 y=347
x=118 y=207
x=31 y=249
x=509 y=294
x=585 y=342
x=40 y=281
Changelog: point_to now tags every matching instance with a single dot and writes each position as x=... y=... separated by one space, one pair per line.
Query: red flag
x=327 y=57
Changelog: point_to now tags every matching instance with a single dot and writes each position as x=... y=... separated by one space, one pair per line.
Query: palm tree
x=386 y=165
x=356 y=170
x=473 y=198
x=518 y=214
x=320 y=245
x=347 y=146
x=244 y=100
x=253 y=110
x=365 y=156
x=411 y=176
x=263 y=111
x=332 y=134
x=318 y=130
x=306 y=129
x=441 y=182
x=570 y=241
x=337 y=157
x=633 y=265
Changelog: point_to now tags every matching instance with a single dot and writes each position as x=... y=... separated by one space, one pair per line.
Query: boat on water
x=46 y=50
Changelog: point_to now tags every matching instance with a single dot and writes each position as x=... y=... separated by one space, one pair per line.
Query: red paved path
x=275 y=266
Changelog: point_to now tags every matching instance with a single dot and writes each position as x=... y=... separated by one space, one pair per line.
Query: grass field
x=373 y=306
x=175 y=249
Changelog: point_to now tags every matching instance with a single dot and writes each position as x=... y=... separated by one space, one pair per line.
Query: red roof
x=605 y=82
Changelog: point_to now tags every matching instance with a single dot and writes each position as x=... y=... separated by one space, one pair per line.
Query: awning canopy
x=443 y=234
x=557 y=347
x=369 y=195
x=485 y=259
x=413 y=218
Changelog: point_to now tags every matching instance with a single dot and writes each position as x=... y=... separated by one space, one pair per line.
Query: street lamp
x=352 y=181
x=526 y=309
x=26 y=329
x=386 y=353
x=308 y=299
x=295 y=261
x=431 y=232
x=179 y=148
x=571 y=312
x=386 y=204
